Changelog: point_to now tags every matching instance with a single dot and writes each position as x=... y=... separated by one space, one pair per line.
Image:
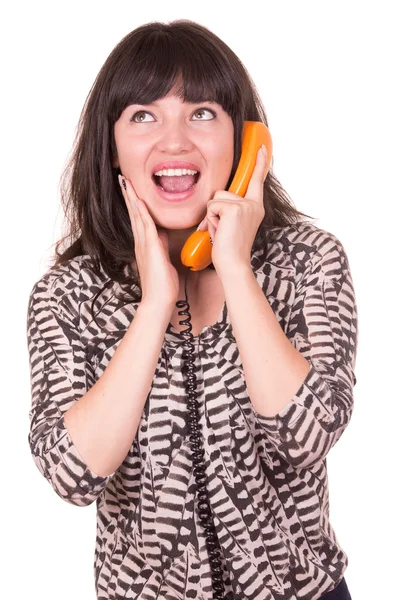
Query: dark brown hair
x=143 y=67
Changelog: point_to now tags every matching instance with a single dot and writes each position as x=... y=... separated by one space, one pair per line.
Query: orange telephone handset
x=196 y=252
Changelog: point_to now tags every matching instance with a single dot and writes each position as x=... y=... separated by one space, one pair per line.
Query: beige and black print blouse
x=267 y=477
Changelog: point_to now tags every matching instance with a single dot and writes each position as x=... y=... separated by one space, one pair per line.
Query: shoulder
x=301 y=255
x=304 y=247
x=64 y=288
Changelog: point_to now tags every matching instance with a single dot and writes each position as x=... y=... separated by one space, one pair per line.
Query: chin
x=190 y=228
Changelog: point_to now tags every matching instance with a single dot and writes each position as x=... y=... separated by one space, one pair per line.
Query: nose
x=175 y=139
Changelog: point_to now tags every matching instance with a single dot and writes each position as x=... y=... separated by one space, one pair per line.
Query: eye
x=201 y=111
x=139 y=117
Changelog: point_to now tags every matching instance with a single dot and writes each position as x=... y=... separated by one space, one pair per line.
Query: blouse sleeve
x=58 y=375
x=324 y=328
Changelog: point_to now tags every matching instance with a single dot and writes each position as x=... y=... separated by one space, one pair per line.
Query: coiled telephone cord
x=204 y=507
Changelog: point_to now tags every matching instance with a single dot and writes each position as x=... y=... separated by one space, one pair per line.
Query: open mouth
x=176 y=183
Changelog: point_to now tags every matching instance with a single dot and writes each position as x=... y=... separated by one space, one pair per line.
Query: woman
x=273 y=341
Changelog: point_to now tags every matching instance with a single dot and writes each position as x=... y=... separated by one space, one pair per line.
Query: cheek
x=126 y=148
x=131 y=161
x=223 y=156
x=226 y=160
x=227 y=150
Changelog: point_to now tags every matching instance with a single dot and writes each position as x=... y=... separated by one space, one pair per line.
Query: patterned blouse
x=267 y=476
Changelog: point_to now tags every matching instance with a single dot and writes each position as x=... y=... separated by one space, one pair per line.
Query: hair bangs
x=168 y=60
x=205 y=80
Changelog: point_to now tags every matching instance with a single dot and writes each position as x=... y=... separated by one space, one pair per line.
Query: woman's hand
x=233 y=221
x=159 y=278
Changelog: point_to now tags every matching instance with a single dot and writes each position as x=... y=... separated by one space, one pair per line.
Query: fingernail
x=201 y=226
x=263 y=148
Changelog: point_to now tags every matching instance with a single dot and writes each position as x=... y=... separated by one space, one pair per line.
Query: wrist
x=155 y=309
x=234 y=272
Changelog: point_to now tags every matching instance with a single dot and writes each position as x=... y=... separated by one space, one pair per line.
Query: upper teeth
x=173 y=172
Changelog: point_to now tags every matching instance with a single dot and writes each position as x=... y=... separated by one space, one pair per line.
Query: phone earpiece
x=196 y=252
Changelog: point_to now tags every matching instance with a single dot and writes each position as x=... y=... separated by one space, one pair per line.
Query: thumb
x=203 y=226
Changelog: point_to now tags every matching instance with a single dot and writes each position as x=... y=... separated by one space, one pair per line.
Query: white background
x=326 y=73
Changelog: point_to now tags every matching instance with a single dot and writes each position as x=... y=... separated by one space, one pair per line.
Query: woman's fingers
x=140 y=217
x=131 y=201
x=129 y=196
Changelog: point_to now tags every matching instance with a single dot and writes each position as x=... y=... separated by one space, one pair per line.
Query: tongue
x=176 y=183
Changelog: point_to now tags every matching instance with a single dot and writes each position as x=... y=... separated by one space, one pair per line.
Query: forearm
x=103 y=423
x=274 y=370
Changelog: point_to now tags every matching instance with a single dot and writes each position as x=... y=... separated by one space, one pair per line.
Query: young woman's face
x=172 y=134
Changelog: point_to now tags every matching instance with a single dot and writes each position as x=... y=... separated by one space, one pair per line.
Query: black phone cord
x=204 y=507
